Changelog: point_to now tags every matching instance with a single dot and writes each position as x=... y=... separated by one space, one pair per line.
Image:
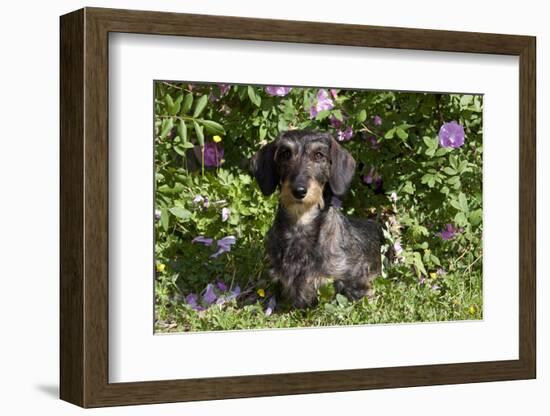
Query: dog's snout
x=299 y=191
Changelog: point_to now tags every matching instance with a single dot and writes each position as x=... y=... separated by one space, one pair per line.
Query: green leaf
x=463 y=202
x=169 y=104
x=390 y=133
x=182 y=130
x=263 y=131
x=408 y=188
x=180 y=148
x=187 y=145
x=187 y=103
x=362 y=116
x=167 y=125
x=449 y=171
x=164 y=218
x=430 y=142
x=180 y=212
x=201 y=103
x=402 y=134
x=342 y=300
x=442 y=151
x=460 y=219
x=453 y=161
x=212 y=126
x=177 y=104
x=338 y=115
x=475 y=217
x=326 y=291
x=430 y=151
x=254 y=97
x=199 y=133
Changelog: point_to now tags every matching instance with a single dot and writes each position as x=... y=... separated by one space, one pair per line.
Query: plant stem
x=202 y=159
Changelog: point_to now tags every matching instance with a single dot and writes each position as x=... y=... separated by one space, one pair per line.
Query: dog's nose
x=299 y=192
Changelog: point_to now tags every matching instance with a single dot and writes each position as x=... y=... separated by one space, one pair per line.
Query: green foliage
x=416 y=188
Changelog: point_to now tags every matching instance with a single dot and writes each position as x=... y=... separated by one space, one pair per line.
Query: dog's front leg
x=302 y=292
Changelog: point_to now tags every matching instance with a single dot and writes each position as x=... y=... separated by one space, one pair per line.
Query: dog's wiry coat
x=310 y=240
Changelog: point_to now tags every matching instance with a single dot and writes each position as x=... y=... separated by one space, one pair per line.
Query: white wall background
x=29 y=252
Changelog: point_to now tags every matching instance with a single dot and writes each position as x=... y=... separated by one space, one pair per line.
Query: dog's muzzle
x=299 y=191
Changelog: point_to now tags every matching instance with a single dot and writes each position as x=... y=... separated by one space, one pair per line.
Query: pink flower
x=213 y=154
x=377 y=120
x=345 y=135
x=225 y=214
x=334 y=122
x=203 y=240
x=224 y=245
x=323 y=103
x=397 y=248
x=449 y=232
x=277 y=91
x=451 y=135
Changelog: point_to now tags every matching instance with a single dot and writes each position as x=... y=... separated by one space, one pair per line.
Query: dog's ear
x=341 y=170
x=264 y=168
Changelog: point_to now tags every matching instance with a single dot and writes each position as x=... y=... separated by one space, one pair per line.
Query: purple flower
x=198 y=199
x=441 y=272
x=225 y=214
x=422 y=279
x=236 y=291
x=397 y=248
x=369 y=177
x=323 y=103
x=334 y=93
x=270 y=306
x=157 y=214
x=209 y=295
x=345 y=134
x=192 y=300
x=224 y=245
x=377 y=120
x=203 y=240
x=451 y=135
x=334 y=122
x=378 y=182
x=449 y=232
x=277 y=91
x=374 y=143
x=213 y=154
x=224 y=89
x=220 y=284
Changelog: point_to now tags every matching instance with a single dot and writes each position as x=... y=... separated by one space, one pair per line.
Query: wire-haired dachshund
x=310 y=239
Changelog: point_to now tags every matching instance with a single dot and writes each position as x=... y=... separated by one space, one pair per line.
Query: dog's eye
x=318 y=156
x=284 y=154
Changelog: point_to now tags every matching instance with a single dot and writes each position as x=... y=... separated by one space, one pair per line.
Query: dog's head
x=305 y=164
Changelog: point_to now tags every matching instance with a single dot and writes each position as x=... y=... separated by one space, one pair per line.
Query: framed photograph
x=255 y=207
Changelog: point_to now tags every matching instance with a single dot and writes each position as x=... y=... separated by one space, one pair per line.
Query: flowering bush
x=419 y=172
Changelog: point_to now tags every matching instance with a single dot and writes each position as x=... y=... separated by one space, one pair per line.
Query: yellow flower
x=160 y=267
x=433 y=275
x=472 y=310
x=261 y=293
x=217 y=139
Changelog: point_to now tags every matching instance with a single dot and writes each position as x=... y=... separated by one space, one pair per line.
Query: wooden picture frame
x=84 y=207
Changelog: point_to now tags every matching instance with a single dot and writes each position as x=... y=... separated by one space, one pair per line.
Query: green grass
x=399 y=298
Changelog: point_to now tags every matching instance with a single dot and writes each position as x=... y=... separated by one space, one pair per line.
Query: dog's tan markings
x=304 y=210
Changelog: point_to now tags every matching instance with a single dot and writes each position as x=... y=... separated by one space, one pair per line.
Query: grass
x=399 y=298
